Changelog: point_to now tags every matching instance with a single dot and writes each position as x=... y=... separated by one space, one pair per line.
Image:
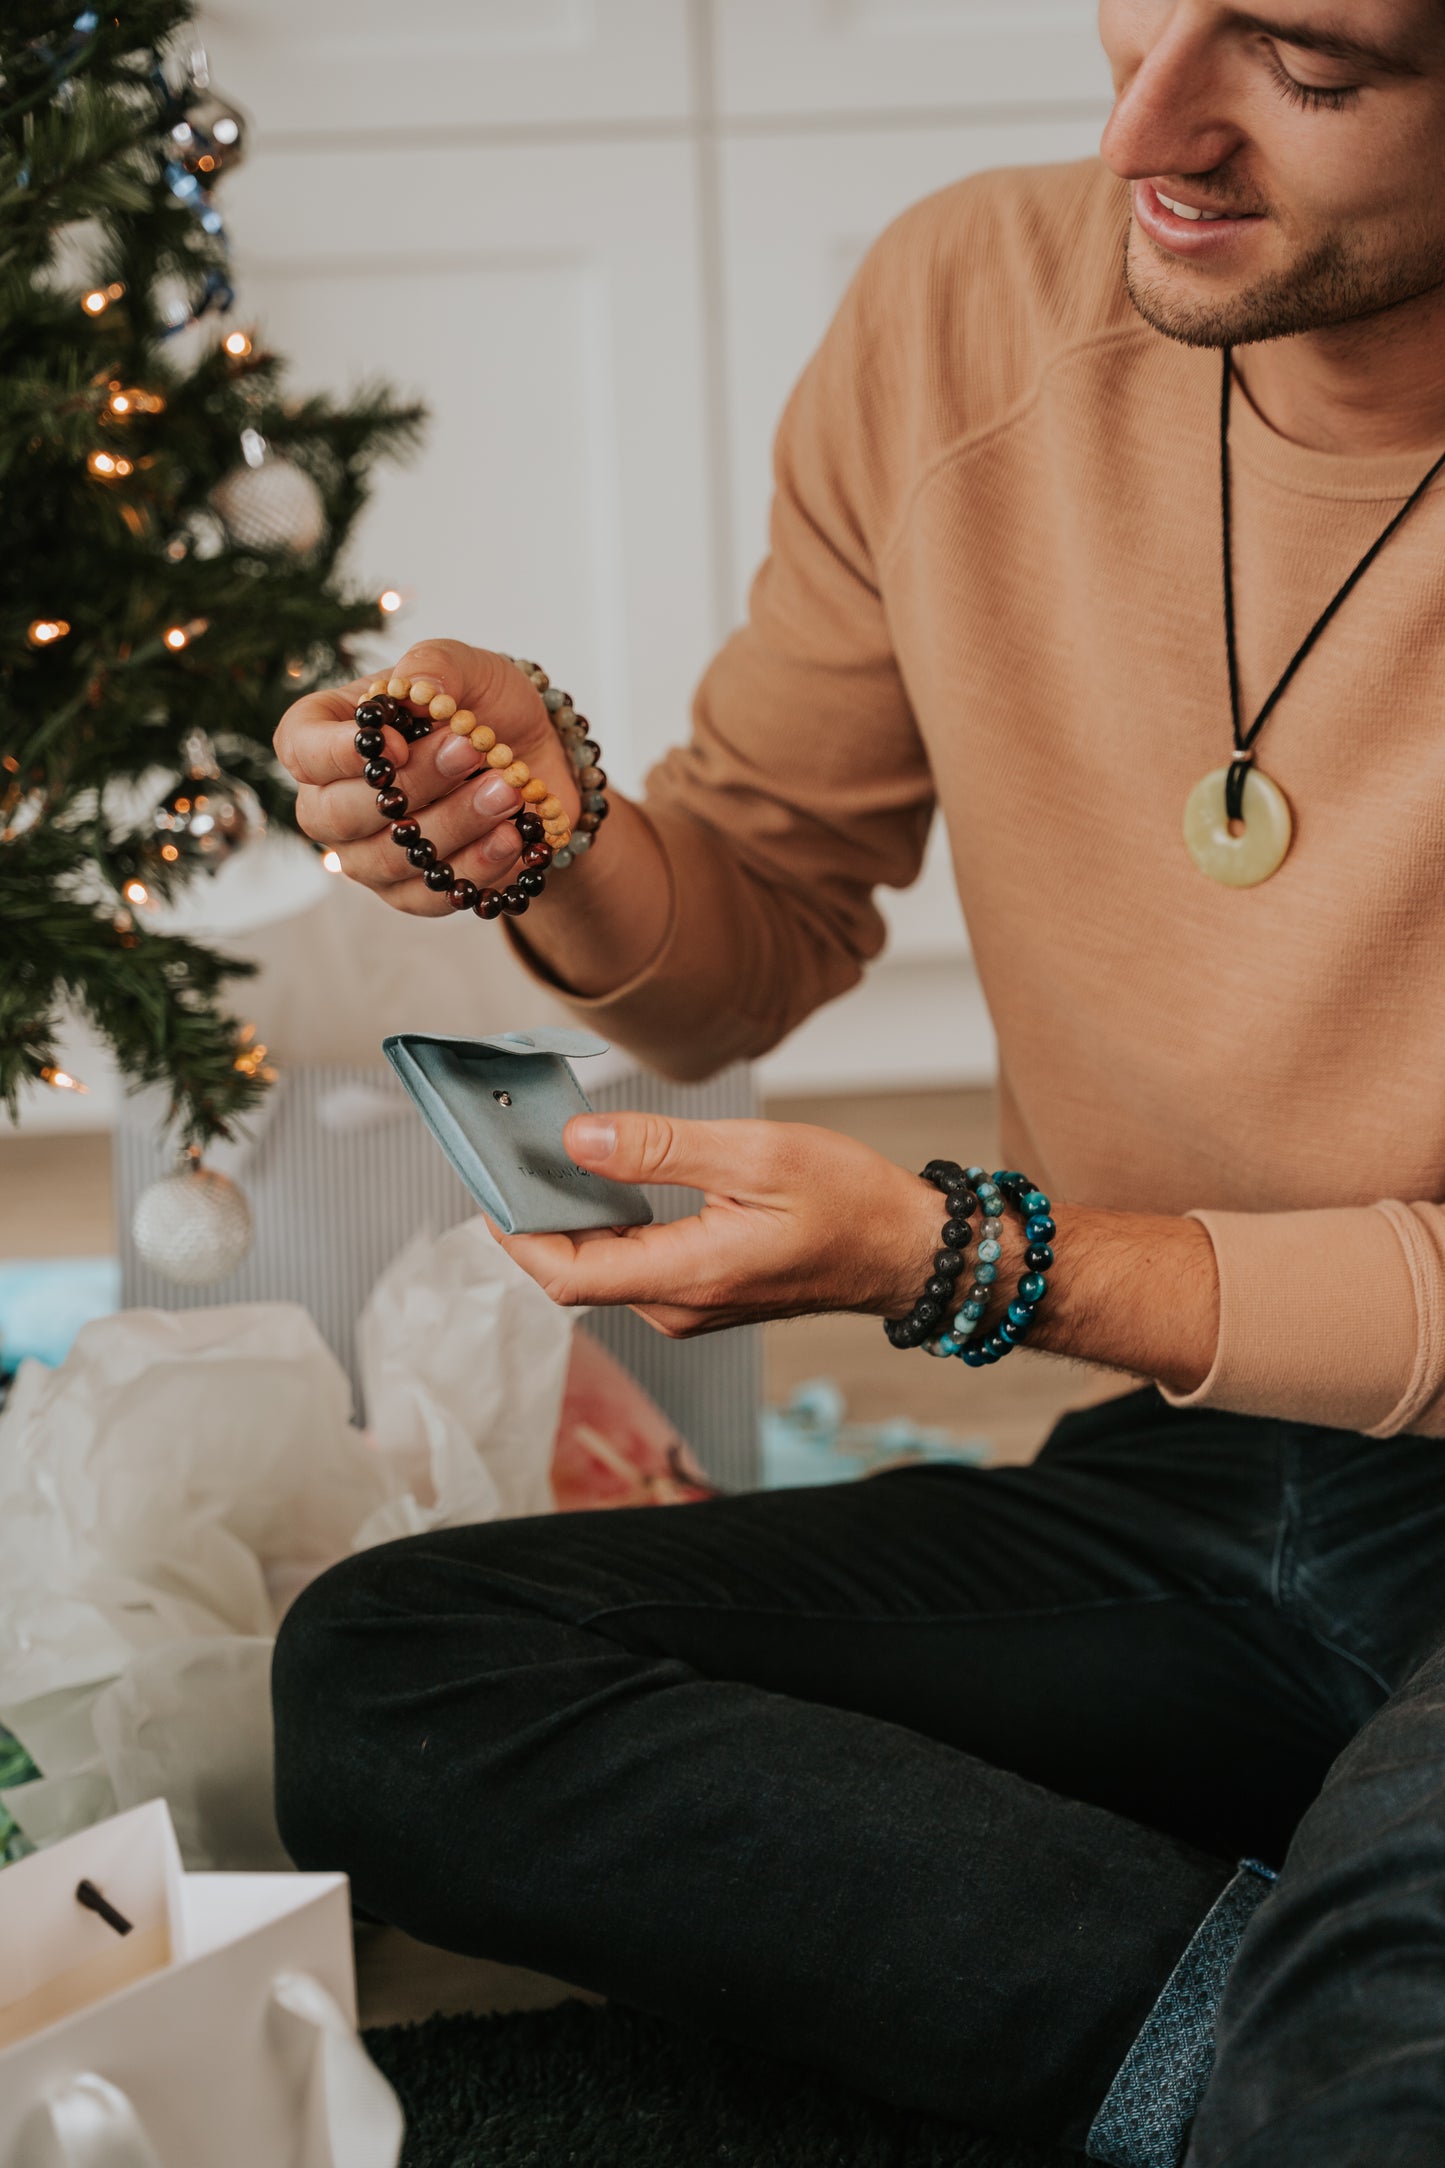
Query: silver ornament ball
x=193 y=1228
x=210 y=140
x=204 y=819
x=274 y=506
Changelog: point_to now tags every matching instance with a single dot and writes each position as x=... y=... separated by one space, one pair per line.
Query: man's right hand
x=462 y=804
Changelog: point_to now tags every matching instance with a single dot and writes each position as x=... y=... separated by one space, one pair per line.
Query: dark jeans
x=929 y=1780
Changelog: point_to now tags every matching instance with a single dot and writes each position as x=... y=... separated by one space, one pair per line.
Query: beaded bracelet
x=973 y=1184
x=1032 y=1207
x=545 y=838
x=916 y=1329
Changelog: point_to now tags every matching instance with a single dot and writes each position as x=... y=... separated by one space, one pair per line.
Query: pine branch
x=152 y=996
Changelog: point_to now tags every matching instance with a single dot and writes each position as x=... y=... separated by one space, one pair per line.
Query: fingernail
x=501 y=846
x=456 y=756
x=495 y=796
x=589 y=1136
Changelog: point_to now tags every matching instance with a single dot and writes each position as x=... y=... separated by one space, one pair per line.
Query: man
x=943 y=1782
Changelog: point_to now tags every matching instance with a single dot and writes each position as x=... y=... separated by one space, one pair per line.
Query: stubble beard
x=1325 y=288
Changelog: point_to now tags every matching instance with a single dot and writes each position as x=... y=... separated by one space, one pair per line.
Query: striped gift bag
x=341 y=1173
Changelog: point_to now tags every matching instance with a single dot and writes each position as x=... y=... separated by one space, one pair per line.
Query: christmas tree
x=173 y=528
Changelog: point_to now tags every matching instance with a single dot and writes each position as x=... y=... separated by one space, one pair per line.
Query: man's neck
x=1362 y=389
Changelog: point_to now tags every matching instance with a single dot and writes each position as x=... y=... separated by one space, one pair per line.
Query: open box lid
x=58 y=1955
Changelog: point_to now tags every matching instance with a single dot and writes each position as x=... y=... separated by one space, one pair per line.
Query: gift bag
x=614 y=1446
x=155 y=2019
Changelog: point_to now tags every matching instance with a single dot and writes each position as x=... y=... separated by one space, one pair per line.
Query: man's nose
x=1171 y=114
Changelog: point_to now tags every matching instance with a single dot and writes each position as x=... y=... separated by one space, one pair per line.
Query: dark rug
x=587 y=2087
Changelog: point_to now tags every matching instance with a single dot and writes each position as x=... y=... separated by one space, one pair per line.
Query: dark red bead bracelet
x=545 y=837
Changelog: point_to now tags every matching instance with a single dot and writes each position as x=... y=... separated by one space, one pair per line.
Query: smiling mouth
x=1197 y=210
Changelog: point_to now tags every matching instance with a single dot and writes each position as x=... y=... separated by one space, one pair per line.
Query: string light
x=237 y=344
x=60 y=1080
x=251 y=1060
x=169 y=853
x=99 y=299
x=45 y=631
x=107 y=467
x=136 y=892
x=177 y=637
x=389 y=601
x=332 y=861
x=130 y=399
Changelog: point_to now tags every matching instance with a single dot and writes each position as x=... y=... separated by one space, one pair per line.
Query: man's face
x=1317 y=127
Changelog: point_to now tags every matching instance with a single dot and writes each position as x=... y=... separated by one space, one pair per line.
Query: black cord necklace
x=1240 y=793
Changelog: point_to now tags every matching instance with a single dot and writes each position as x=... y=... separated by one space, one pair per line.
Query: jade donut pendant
x=1258 y=850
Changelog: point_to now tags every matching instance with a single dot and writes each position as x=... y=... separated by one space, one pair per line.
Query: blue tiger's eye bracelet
x=964 y=1187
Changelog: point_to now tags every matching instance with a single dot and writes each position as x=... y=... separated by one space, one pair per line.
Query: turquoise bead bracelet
x=959 y=1338
x=1006 y=1185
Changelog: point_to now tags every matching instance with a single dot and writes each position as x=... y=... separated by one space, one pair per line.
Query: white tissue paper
x=168 y=1490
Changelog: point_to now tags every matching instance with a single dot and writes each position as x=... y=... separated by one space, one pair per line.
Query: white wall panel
x=840 y=56
x=798 y=216
x=337 y=66
x=545 y=307
x=910 y=1026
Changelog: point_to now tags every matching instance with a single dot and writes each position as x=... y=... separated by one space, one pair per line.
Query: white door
x=375 y=70
x=802 y=57
x=543 y=303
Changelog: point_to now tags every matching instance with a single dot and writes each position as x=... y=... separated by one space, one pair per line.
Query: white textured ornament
x=1244 y=860
x=273 y=506
x=192 y=1228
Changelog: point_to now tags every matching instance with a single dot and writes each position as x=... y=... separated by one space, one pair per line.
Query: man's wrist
x=606 y=919
x=1137 y=1292
x=1131 y=1291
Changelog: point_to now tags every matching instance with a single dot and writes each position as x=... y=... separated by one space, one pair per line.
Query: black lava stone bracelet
x=933 y=1304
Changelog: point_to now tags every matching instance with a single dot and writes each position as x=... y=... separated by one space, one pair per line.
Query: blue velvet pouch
x=497 y=1107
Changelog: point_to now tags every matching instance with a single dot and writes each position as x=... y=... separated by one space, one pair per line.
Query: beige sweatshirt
x=994 y=582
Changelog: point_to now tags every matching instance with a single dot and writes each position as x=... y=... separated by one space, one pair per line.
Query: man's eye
x=1312 y=96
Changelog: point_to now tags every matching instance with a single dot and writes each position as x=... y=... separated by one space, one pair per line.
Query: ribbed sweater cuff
x=1318 y=1319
